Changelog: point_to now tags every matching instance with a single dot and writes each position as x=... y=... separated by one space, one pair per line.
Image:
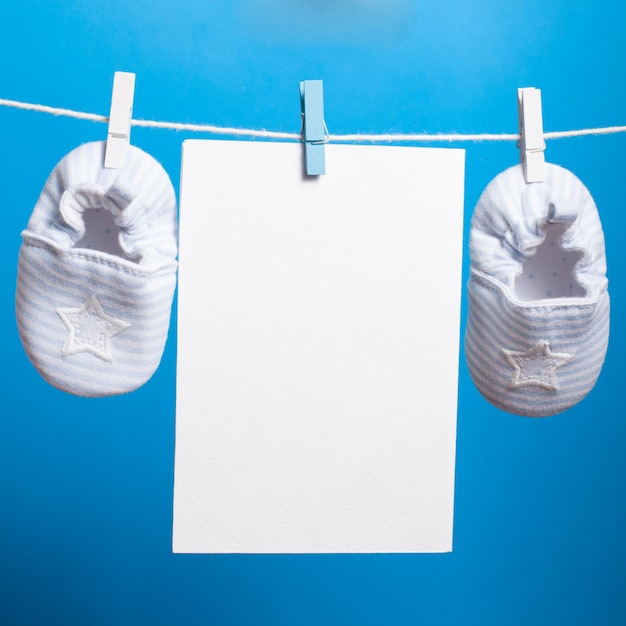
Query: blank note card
x=318 y=345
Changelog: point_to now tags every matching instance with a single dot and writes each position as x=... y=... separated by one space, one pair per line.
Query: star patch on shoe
x=537 y=366
x=90 y=329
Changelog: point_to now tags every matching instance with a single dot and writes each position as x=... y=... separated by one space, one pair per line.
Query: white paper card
x=318 y=346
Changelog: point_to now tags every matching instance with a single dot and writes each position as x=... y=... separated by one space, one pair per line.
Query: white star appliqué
x=537 y=366
x=90 y=329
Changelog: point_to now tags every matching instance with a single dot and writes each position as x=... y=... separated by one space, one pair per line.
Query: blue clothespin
x=314 y=130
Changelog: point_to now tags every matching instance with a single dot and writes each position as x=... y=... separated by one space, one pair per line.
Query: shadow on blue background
x=87 y=484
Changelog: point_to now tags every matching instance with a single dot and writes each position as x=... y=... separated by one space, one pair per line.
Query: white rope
x=268 y=134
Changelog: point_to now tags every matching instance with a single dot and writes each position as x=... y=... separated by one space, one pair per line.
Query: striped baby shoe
x=538 y=317
x=97 y=273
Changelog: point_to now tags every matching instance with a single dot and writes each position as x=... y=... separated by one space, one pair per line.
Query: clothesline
x=269 y=134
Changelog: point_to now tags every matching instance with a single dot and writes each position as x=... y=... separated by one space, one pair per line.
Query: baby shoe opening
x=549 y=272
x=96 y=217
x=101 y=232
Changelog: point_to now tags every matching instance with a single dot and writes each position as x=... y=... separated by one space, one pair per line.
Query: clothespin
x=118 y=136
x=532 y=144
x=314 y=130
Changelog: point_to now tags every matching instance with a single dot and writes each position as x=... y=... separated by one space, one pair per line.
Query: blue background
x=86 y=485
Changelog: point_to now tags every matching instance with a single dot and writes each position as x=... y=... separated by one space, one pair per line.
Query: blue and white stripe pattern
x=535 y=357
x=93 y=322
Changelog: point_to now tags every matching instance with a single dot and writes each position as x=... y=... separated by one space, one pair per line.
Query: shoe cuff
x=510 y=218
x=140 y=198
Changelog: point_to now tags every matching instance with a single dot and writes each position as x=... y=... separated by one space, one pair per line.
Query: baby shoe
x=97 y=273
x=538 y=317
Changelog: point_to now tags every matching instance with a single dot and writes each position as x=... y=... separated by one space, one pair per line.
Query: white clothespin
x=120 y=116
x=532 y=144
